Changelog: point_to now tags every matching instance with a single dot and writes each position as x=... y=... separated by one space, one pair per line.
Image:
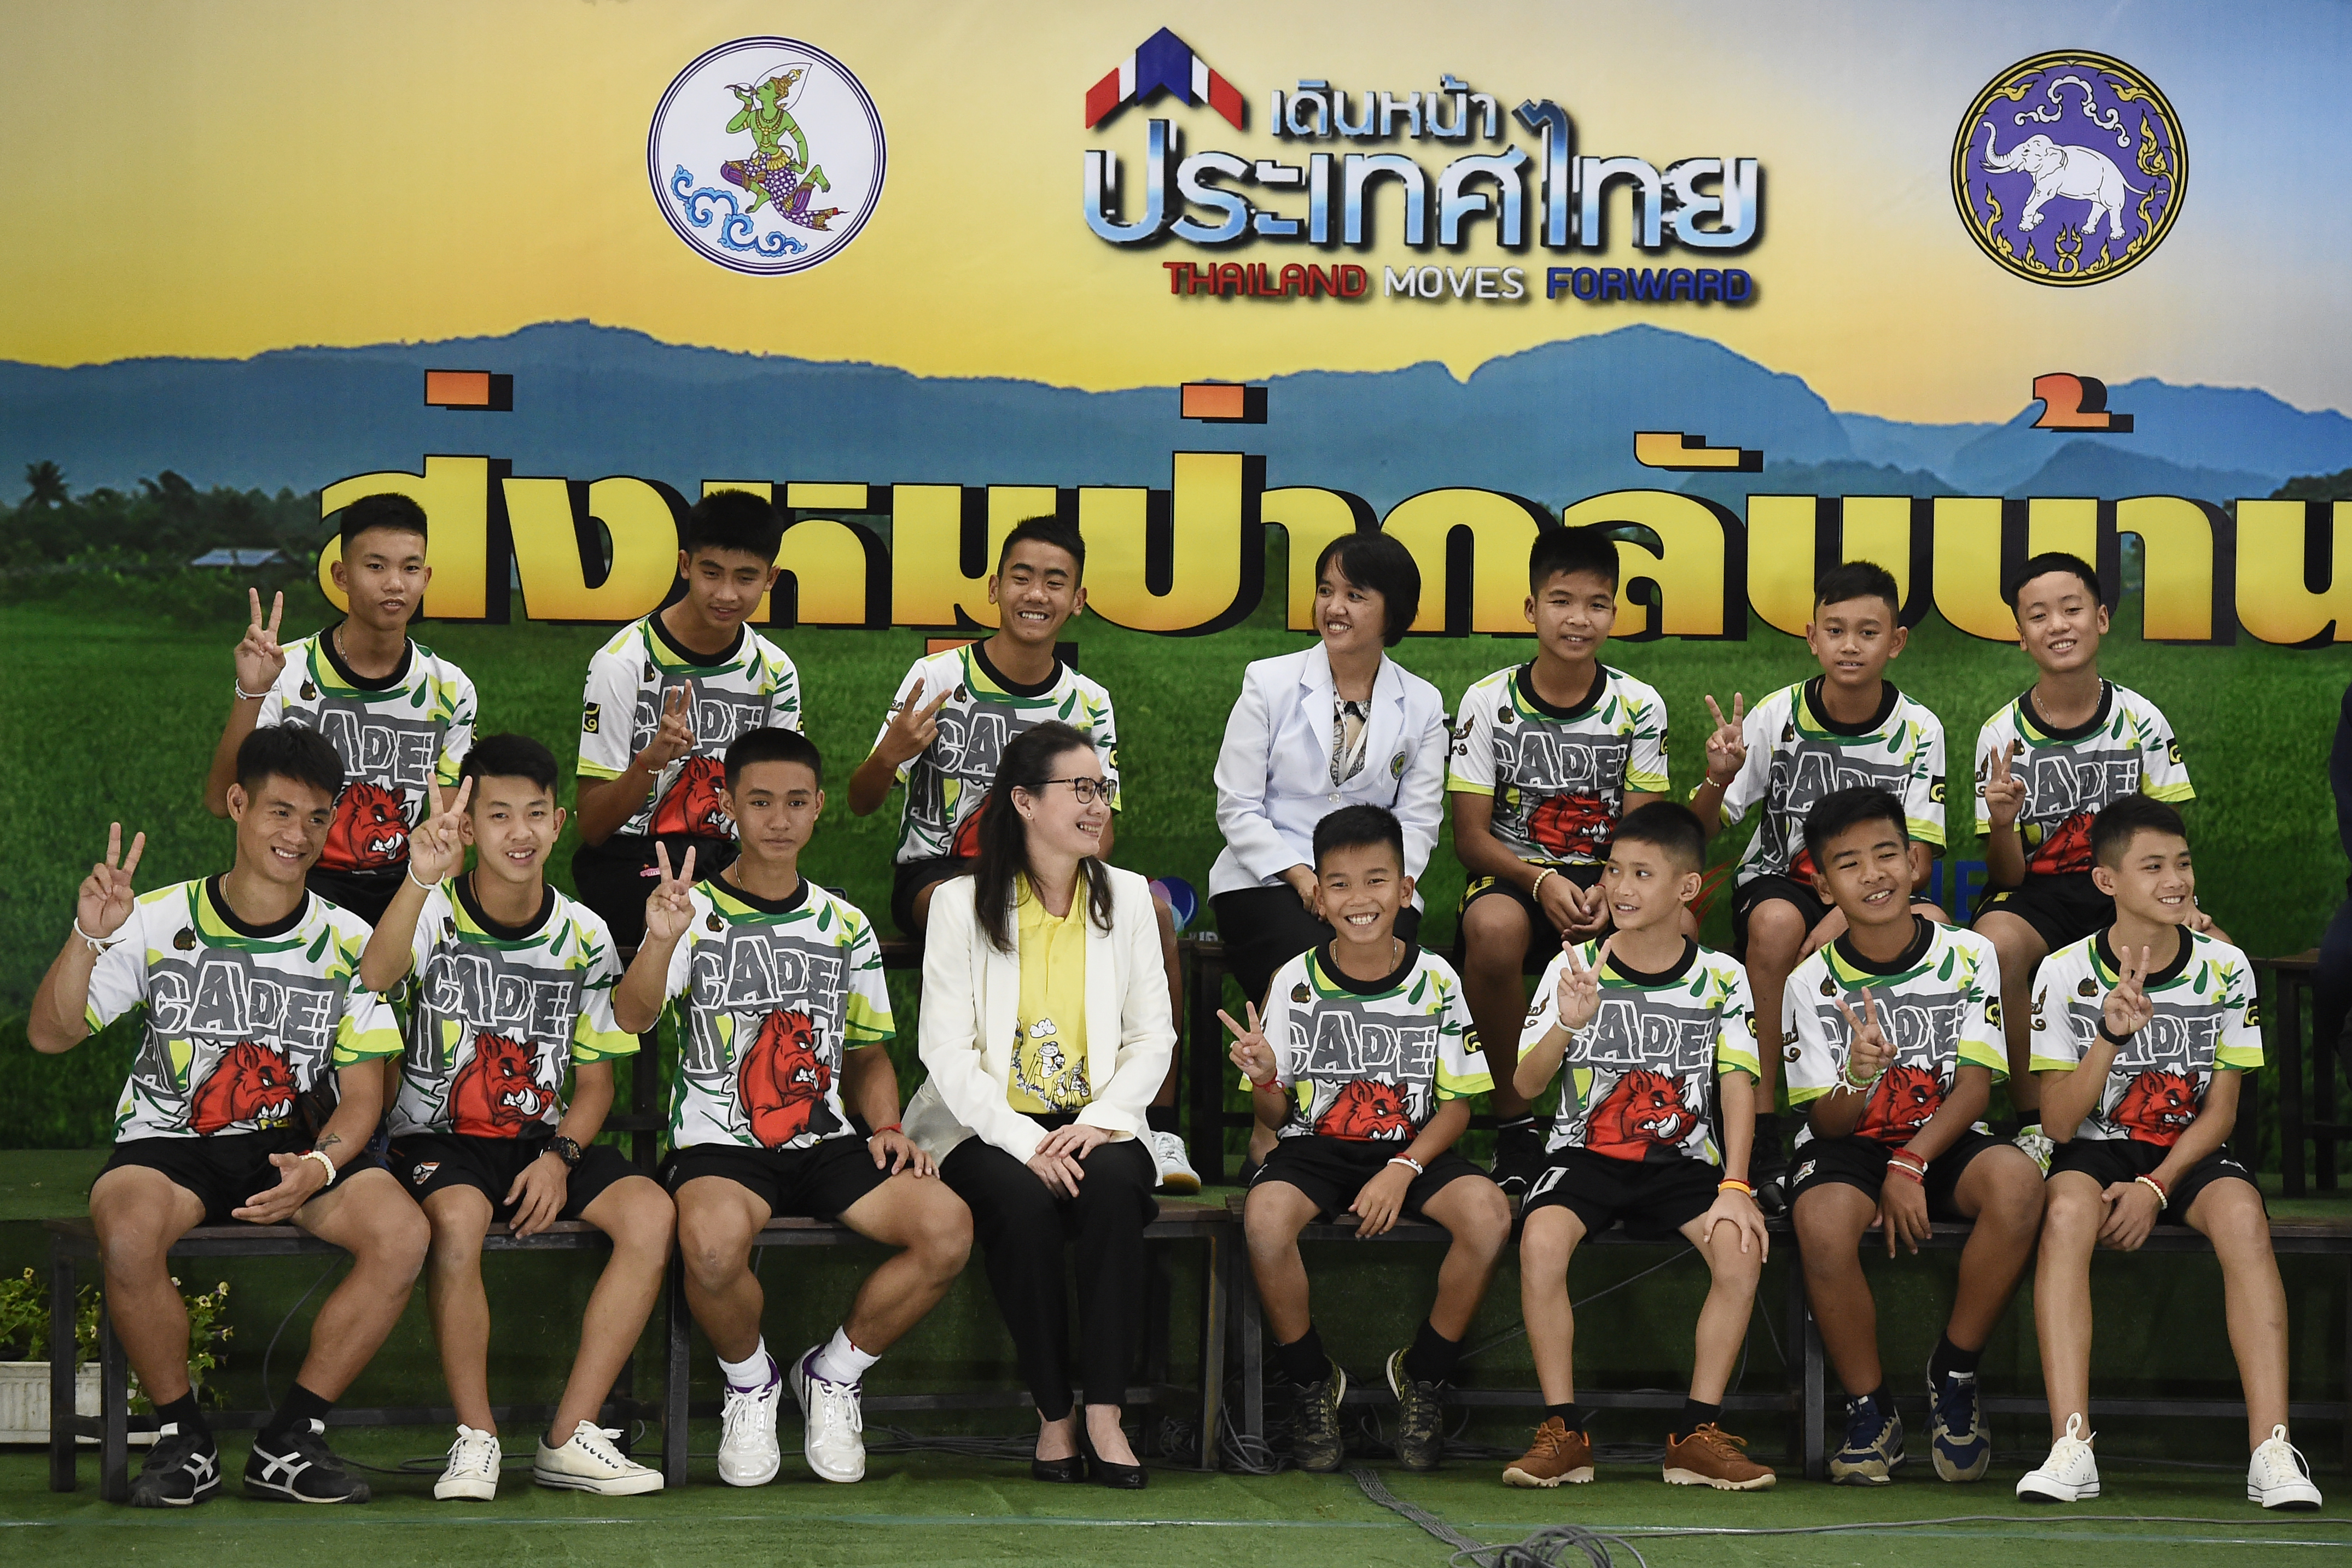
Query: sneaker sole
x=1516 y=1477
x=2288 y=1505
x=616 y=1486
x=1184 y=1183
x=2071 y=1494
x=851 y=1479
x=1947 y=1471
x=1677 y=1478
x=287 y=1494
x=205 y=1494
x=465 y=1492
x=762 y=1479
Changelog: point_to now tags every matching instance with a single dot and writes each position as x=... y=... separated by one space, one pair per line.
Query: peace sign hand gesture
x=913 y=725
x=1252 y=1052
x=674 y=738
x=2004 y=791
x=106 y=899
x=260 y=660
x=1726 y=749
x=2127 y=1010
x=1869 y=1053
x=669 y=908
x=1578 y=995
x=436 y=847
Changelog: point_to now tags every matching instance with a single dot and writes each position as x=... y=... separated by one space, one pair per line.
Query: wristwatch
x=566 y=1150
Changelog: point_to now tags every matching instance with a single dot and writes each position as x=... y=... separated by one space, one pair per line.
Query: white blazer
x=1274 y=771
x=971 y=994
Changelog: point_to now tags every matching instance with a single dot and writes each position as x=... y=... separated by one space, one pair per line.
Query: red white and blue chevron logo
x=1162 y=63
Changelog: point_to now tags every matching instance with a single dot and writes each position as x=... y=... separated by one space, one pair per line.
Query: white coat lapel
x=999 y=999
x=1104 y=989
x=1314 y=707
x=1383 y=735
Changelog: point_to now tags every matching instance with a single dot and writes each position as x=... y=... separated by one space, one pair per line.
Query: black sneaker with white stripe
x=300 y=1468
x=182 y=1470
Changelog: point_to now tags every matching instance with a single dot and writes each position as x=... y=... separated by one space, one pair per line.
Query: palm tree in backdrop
x=46 y=483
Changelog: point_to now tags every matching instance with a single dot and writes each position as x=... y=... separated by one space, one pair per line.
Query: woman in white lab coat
x=1341 y=723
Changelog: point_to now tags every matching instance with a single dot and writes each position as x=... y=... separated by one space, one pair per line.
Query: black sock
x=1302 y=1360
x=1695 y=1415
x=300 y=1405
x=184 y=1411
x=1159 y=1118
x=1569 y=1415
x=1515 y=1123
x=1950 y=1358
x=1433 y=1355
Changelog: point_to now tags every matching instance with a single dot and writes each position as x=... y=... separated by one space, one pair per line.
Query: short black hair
x=772 y=744
x=1352 y=826
x=288 y=751
x=735 y=521
x=1840 y=809
x=1857 y=579
x=508 y=757
x=2124 y=817
x=1670 y=826
x=1379 y=562
x=2043 y=565
x=387 y=509
x=1558 y=551
x=1046 y=530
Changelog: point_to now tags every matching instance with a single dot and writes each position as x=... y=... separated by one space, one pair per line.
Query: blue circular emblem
x=766 y=155
x=2069 y=168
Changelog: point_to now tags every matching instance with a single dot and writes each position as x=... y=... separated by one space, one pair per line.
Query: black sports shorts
x=1861 y=1162
x=1332 y=1171
x=1654 y=1198
x=2110 y=1160
x=225 y=1170
x=819 y=1183
x=428 y=1162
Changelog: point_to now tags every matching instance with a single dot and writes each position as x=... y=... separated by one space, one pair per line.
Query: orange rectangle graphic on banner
x=458 y=389
x=1215 y=399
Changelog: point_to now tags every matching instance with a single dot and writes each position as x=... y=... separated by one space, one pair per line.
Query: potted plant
x=25 y=1334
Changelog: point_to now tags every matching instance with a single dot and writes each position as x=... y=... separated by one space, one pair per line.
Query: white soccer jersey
x=771 y=995
x=751 y=686
x=948 y=781
x=1796 y=755
x=2205 y=1018
x=1643 y=1070
x=2071 y=774
x=396 y=738
x=1938 y=1006
x=497 y=1015
x=239 y=1021
x=1370 y=1060
x=1559 y=776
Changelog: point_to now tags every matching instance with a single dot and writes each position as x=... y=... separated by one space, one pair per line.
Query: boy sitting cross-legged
x=1364 y=1061
x=1647 y=1021
x=1897 y=1025
x=512 y=993
x=782 y=1025
x=2142 y=1034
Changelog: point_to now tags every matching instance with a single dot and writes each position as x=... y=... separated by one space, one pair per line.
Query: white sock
x=754 y=1373
x=839 y=1361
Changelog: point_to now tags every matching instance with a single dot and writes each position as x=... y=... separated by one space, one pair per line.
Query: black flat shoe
x=1071 y=1469
x=1103 y=1473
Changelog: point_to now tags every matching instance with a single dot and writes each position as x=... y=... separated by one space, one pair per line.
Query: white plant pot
x=25 y=1402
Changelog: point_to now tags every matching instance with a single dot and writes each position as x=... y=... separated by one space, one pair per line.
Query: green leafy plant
x=25 y=1327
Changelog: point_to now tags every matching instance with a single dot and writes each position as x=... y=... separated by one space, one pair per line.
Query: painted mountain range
x=1552 y=423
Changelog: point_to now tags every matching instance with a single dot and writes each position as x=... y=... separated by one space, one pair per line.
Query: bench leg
x=2348 y=1366
x=1816 y=1439
x=679 y=1326
x=61 y=1368
x=114 y=1410
x=1793 y=1374
x=1217 y=1289
x=1253 y=1328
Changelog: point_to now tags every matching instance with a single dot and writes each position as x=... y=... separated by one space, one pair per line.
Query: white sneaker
x=472 y=1472
x=2278 y=1477
x=1176 y=1172
x=832 y=1428
x=589 y=1462
x=748 y=1454
x=2069 y=1475
x=2036 y=1145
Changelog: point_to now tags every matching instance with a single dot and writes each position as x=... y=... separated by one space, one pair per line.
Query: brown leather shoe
x=1712 y=1457
x=1557 y=1455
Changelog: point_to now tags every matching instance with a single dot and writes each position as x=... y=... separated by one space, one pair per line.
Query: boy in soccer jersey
x=1660 y=1041
x=783 y=1024
x=665 y=698
x=2046 y=764
x=1844 y=727
x=2142 y=1033
x=1365 y=1060
x=399 y=716
x=513 y=993
x=1548 y=755
x=1896 y=1027
x=259 y=1080
x=953 y=716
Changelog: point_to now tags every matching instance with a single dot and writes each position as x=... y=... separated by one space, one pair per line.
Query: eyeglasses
x=1087 y=790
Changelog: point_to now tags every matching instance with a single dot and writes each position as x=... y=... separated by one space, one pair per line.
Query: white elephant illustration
x=2082 y=173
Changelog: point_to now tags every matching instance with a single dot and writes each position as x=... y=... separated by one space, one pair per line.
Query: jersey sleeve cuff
x=603 y=1046
x=1926 y=833
x=1975 y=1054
x=1804 y=1094
x=1739 y=1061
x=2051 y=1064
x=2245 y=1058
x=2181 y=791
x=1455 y=785
x=1649 y=784
x=1452 y=1088
x=372 y=1046
x=587 y=769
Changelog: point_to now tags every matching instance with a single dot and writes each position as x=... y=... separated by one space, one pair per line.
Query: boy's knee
x=1482 y=1217
x=714 y=1254
x=1776 y=929
x=943 y=1232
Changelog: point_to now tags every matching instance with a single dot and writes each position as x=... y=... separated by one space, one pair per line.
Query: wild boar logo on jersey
x=784 y=1081
x=370 y=832
x=691 y=806
x=250 y=1083
x=967 y=838
x=496 y=1094
x=2156 y=1107
x=1571 y=825
x=1646 y=1110
x=1905 y=1099
x=1367 y=1108
x=2066 y=847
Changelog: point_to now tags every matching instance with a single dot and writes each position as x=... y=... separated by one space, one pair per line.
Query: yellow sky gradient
x=225 y=179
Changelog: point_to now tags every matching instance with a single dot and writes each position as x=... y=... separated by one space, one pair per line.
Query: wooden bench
x=74 y=1243
x=2291 y=978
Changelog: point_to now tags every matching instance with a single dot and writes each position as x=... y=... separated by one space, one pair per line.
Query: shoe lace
x=474 y=1454
x=598 y=1442
x=1718 y=1441
x=2282 y=1460
x=1952 y=1400
x=837 y=1405
x=741 y=1411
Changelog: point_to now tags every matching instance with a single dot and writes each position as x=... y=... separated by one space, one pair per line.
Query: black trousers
x=1022 y=1226
x=1263 y=928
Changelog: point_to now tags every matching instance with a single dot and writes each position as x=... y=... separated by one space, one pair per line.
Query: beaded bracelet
x=2163 y=1198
